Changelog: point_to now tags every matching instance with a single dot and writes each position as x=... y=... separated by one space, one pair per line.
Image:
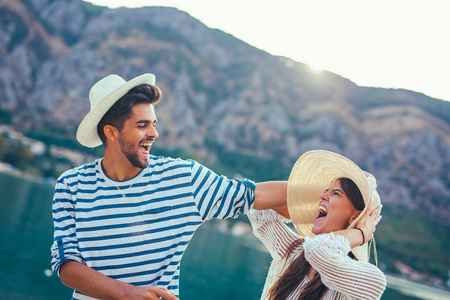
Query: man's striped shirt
x=136 y=231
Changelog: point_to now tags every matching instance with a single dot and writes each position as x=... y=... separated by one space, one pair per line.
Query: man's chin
x=146 y=164
x=143 y=164
x=139 y=163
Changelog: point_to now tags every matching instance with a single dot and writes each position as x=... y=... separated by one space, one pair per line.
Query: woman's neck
x=311 y=273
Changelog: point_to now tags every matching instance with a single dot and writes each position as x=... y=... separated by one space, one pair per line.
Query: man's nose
x=153 y=132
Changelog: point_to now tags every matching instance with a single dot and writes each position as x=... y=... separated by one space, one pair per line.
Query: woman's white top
x=327 y=253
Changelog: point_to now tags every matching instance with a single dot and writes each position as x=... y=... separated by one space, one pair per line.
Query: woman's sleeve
x=270 y=228
x=328 y=254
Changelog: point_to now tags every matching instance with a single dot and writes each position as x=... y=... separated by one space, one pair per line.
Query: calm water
x=216 y=265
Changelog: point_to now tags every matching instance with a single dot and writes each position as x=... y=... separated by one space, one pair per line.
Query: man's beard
x=131 y=153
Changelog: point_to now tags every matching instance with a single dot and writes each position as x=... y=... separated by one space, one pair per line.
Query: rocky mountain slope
x=220 y=95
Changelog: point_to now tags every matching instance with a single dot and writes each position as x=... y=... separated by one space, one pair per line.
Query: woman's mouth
x=323 y=211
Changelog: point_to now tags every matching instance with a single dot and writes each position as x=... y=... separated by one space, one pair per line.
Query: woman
x=329 y=259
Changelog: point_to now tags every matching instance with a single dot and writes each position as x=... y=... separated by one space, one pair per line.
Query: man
x=123 y=222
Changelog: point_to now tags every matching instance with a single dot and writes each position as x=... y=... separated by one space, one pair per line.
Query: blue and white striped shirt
x=136 y=231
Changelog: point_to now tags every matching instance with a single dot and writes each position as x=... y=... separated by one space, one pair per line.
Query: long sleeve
x=328 y=255
x=271 y=229
x=219 y=197
x=65 y=246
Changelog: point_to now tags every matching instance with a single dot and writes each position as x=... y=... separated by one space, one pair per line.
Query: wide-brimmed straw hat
x=102 y=96
x=313 y=173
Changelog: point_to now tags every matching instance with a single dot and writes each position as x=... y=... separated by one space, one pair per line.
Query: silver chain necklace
x=124 y=197
x=125 y=188
x=121 y=189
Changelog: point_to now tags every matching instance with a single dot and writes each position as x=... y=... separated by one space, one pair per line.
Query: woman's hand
x=369 y=221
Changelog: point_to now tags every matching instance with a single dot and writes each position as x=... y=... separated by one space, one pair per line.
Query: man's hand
x=150 y=293
x=92 y=283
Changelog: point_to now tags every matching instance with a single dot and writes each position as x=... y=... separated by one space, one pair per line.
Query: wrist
x=362 y=233
x=124 y=290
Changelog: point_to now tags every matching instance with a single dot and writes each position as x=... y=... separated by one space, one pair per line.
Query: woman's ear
x=353 y=217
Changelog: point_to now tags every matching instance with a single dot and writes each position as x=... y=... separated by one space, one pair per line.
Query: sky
x=382 y=43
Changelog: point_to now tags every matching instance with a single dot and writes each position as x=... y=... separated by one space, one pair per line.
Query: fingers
x=370 y=220
x=367 y=174
x=167 y=295
x=162 y=293
x=375 y=215
x=368 y=211
x=377 y=210
x=377 y=219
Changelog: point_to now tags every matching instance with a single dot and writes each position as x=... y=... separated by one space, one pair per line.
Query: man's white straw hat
x=313 y=173
x=102 y=96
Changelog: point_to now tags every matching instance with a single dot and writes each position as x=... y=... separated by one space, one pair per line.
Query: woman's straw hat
x=102 y=96
x=313 y=173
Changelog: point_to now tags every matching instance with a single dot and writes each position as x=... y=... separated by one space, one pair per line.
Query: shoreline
x=9 y=170
x=397 y=282
x=416 y=289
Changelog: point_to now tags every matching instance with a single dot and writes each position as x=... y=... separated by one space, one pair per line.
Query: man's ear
x=353 y=217
x=111 y=132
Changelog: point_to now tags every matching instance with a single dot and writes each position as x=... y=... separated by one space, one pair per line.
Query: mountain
x=232 y=106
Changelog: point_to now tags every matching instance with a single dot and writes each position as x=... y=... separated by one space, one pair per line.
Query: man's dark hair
x=121 y=110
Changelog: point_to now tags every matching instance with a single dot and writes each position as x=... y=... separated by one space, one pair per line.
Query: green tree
x=19 y=155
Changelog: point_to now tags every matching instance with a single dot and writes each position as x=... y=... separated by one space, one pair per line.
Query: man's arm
x=94 y=284
x=270 y=194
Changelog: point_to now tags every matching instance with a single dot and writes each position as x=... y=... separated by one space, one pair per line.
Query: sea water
x=217 y=265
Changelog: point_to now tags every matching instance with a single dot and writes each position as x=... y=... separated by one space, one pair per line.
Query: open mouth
x=322 y=212
x=145 y=147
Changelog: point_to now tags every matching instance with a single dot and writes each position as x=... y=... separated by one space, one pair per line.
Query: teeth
x=323 y=209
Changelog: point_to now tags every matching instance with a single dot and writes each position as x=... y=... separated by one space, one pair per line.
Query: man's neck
x=117 y=170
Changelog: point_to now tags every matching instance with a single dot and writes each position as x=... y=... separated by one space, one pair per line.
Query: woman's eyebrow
x=338 y=190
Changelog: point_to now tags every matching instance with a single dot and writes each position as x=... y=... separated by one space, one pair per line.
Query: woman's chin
x=318 y=225
x=316 y=230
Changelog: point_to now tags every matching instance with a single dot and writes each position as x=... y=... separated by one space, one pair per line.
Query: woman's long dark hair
x=300 y=267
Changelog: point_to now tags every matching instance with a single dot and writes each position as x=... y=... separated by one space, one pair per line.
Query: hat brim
x=87 y=130
x=313 y=173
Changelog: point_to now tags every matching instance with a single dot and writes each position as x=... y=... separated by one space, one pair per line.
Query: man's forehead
x=143 y=111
